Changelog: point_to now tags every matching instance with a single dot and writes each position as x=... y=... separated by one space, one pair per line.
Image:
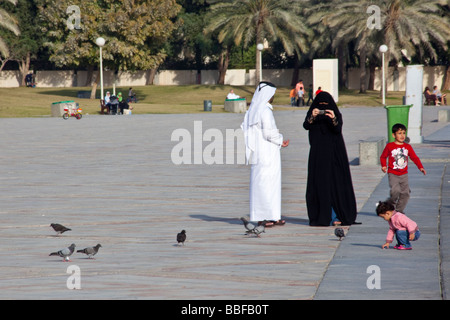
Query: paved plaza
x=113 y=181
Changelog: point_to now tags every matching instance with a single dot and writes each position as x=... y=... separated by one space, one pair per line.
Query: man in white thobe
x=263 y=142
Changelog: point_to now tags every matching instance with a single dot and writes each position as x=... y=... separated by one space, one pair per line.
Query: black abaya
x=329 y=183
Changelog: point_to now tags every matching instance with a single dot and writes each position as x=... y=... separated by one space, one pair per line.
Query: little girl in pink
x=404 y=229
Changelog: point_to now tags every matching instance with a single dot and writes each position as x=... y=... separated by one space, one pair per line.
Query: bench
x=103 y=107
x=370 y=151
x=430 y=99
x=235 y=105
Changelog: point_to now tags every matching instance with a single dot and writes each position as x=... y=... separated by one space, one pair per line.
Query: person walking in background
x=300 y=92
x=330 y=198
x=263 y=142
x=319 y=90
x=293 y=97
x=397 y=153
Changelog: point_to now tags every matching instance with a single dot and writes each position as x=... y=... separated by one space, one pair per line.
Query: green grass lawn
x=36 y=102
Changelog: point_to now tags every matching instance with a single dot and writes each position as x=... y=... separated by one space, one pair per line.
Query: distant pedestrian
x=397 y=153
x=319 y=90
x=293 y=97
x=404 y=229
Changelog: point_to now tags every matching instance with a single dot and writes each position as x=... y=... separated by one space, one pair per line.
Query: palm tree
x=413 y=27
x=8 y=22
x=253 y=21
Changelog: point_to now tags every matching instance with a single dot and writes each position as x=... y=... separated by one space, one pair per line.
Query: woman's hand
x=315 y=112
x=330 y=113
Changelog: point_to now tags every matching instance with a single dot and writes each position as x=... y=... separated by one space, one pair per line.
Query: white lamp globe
x=100 y=41
x=383 y=48
x=260 y=47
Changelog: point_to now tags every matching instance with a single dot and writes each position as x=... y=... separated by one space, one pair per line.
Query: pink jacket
x=399 y=221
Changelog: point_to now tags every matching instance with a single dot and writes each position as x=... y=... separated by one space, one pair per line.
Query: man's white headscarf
x=263 y=93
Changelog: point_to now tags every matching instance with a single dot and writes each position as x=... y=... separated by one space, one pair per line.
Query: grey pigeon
x=64 y=253
x=259 y=229
x=248 y=225
x=90 y=251
x=181 y=237
x=339 y=232
x=252 y=228
x=59 y=228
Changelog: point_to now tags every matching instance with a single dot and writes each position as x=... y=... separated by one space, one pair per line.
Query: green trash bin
x=397 y=114
x=207 y=105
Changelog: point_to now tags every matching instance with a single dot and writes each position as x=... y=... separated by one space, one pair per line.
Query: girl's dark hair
x=384 y=206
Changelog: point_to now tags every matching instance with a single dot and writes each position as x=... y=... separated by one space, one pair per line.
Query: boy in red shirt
x=397 y=153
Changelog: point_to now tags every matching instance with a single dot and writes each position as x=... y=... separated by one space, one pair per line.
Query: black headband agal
x=263 y=84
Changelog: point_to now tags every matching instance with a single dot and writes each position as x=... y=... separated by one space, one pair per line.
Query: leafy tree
x=253 y=21
x=410 y=27
x=24 y=47
x=10 y=23
x=134 y=31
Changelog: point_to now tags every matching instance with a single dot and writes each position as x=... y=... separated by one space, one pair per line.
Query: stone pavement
x=112 y=179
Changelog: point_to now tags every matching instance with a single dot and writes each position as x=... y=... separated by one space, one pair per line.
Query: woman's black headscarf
x=329 y=182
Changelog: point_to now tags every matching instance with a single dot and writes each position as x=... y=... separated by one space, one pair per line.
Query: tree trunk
x=224 y=61
x=362 y=68
x=259 y=39
x=372 y=68
x=342 y=70
x=24 y=67
x=151 y=76
x=446 y=84
x=89 y=76
x=95 y=84
x=295 y=74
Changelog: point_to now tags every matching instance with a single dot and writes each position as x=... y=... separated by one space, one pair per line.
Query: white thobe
x=265 y=175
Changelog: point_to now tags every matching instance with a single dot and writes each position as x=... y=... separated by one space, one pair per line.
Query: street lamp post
x=101 y=42
x=383 y=49
x=260 y=48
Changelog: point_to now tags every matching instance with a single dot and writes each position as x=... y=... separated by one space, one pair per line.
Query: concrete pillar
x=414 y=96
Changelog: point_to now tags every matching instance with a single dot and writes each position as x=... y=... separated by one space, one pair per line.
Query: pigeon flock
x=250 y=227
x=67 y=252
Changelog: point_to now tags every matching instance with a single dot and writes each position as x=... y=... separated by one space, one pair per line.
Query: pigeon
x=259 y=229
x=339 y=232
x=65 y=253
x=90 y=251
x=252 y=228
x=248 y=225
x=59 y=228
x=181 y=237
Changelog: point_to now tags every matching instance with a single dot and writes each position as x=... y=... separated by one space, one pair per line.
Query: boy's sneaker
x=402 y=247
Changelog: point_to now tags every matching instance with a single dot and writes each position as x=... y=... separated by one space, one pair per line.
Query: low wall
x=236 y=77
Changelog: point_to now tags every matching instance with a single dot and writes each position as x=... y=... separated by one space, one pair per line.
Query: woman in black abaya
x=330 y=198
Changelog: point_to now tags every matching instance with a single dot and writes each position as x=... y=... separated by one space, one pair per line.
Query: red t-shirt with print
x=397 y=155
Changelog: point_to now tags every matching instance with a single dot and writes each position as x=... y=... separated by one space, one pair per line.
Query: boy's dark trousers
x=399 y=191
